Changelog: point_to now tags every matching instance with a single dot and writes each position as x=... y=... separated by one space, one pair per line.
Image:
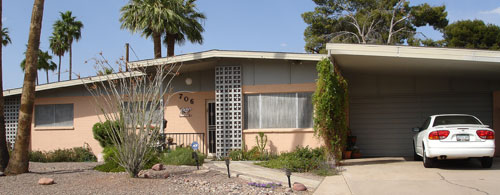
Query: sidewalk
x=247 y=170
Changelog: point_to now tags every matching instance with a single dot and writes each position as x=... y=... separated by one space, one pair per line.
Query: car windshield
x=455 y=120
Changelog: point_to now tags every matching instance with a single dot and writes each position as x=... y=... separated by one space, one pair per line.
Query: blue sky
x=257 y=25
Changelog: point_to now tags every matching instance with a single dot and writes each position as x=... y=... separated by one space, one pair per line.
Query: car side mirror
x=415 y=129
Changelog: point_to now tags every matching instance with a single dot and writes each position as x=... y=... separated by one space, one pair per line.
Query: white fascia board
x=414 y=52
x=76 y=82
x=227 y=54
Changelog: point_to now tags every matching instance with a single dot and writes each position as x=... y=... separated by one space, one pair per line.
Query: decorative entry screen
x=11 y=110
x=228 y=103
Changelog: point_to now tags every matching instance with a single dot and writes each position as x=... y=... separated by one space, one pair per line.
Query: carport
x=395 y=88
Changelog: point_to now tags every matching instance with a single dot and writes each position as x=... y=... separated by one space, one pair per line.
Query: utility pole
x=126 y=56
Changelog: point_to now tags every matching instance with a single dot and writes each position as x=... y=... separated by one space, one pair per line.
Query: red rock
x=46 y=181
x=299 y=187
x=166 y=175
x=157 y=167
x=146 y=175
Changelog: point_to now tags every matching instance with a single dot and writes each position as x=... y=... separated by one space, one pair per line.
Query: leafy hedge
x=302 y=159
x=102 y=132
x=77 y=154
x=110 y=164
x=182 y=156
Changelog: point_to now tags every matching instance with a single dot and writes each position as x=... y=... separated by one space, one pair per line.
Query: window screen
x=54 y=115
x=283 y=110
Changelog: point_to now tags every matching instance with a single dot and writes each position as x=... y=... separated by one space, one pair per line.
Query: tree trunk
x=4 y=152
x=19 y=162
x=59 y=70
x=157 y=44
x=170 y=44
x=70 y=60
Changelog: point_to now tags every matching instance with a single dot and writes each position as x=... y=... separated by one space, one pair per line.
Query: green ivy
x=330 y=102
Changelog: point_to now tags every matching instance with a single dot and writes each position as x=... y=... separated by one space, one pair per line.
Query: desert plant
x=134 y=99
x=76 y=154
x=302 y=159
x=261 y=141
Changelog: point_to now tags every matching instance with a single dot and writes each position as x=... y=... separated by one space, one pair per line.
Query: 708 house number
x=186 y=98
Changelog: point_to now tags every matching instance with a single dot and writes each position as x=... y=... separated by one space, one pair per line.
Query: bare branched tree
x=135 y=100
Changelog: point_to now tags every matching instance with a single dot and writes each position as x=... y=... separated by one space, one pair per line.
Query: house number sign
x=186 y=98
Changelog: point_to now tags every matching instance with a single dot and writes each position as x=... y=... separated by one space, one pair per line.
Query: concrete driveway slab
x=401 y=176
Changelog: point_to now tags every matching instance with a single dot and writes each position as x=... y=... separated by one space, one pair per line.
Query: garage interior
x=395 y=88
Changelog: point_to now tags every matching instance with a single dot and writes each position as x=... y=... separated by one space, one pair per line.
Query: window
x=454 y=120
x=280 y=110
x=54 y=115
x=426 y=124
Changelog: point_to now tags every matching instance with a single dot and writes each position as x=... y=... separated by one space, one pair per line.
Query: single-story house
x=223 y=99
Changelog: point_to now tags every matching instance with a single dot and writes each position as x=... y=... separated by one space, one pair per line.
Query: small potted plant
x=355 y=152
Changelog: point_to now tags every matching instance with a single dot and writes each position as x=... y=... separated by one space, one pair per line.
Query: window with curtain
x=54 y=115
x=278 y=110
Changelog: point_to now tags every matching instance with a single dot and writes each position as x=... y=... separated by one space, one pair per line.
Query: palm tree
x=59 y=46
x=71 y=29
x=19 y=161
x=151 y=17
x=5 y=36
x=4 y=152
x=177 y=32
x=44 y=63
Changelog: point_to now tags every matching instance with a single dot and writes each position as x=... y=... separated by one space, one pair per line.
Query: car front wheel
x=486 y=162
x=428 y=162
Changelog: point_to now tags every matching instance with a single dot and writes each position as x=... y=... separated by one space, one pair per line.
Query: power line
x=134 y=52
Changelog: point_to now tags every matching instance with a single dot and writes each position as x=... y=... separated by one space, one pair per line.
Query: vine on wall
x=330 y=102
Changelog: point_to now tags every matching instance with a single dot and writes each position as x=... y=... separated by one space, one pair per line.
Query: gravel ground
x=79 y=178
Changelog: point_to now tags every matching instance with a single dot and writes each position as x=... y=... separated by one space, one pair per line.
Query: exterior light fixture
x=227 y=165
x=189 y=81
x=288 y=174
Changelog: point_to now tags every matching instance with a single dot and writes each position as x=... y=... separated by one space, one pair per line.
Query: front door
x=211 y=126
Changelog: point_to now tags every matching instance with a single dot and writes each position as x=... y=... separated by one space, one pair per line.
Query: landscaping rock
x=299 y=187
x=157 y=167
x=2 y=174
x=166 y=175
x=46 y=181
x=201 y=171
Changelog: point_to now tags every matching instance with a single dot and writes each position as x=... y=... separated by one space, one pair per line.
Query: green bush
x=303 y=159
x=110 y=164
x=102 y=131
x=77 y=154
x=182 y=156
x=254 y=154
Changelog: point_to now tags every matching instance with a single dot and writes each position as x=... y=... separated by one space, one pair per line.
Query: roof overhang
x=87 y=80
x=406 y=60
x=217 y=54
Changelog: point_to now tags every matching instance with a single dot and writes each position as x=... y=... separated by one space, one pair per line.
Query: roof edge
x=228 y=54
x=413 y=52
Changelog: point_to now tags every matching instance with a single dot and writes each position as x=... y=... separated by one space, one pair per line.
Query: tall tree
x=72 y=31
x=4 y=153
x=151 y=18
x=473 y=34
x=19 y=161
x=368 y=21
x=44 y=63
x=59 y=46
x=190 y=28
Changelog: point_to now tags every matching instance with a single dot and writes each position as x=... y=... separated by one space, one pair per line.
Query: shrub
x=182 y=156
x=77 y=154
x=102 y=132
x=303 y=159
x=110 y=164
x=237 y=155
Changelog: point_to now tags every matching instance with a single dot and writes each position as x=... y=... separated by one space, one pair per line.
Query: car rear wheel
x=416 y=157
x=486 y=162
x=428 y=162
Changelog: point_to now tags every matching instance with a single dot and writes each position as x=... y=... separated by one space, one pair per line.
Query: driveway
x=403 y=176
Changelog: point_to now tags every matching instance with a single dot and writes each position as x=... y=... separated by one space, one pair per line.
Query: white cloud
x=493 y=11
x=283 y=44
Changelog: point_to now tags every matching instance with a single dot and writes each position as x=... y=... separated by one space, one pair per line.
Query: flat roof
x=228 y=54
x=407 y=60
x=86 y=80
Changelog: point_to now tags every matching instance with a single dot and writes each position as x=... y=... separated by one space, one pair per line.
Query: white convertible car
x=454 y=136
